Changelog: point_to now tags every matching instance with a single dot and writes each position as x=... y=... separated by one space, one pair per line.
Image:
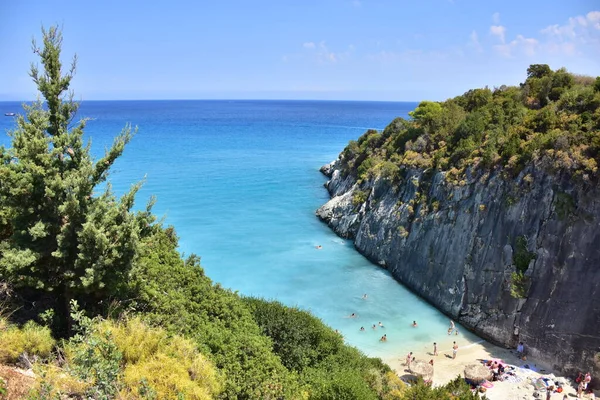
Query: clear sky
x=298 y=49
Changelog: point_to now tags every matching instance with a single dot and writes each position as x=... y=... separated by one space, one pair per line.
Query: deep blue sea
x=240 y=182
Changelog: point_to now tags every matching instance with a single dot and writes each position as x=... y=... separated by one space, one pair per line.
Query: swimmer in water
x=374 y=326
x=362 y=328
x=353 y=315
x=364 y=296
x=319 y=247
x=381 y=325
x=414 y=324
x=383 y=338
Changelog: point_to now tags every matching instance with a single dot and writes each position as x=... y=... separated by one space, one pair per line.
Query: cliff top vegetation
x=553 y=118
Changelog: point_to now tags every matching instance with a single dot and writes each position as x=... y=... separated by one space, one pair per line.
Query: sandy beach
x=446 y=369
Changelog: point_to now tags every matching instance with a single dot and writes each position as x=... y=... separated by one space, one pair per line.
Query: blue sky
x=299 y=49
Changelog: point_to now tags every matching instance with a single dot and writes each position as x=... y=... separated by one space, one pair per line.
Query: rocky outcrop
x=458 y=246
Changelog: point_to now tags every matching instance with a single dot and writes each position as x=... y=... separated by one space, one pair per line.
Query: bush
x=299 y=339
x=359 y=197
x=519 y=285
x=129 y=359
x=522 y=257
x=32 y=339
x=170 y=378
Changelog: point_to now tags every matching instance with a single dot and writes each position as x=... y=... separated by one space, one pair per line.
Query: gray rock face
x=455 y=246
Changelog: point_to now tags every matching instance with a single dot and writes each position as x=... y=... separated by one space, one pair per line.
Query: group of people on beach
x=410 y=358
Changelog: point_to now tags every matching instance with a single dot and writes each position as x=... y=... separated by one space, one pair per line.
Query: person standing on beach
x=520 y=350
x=435 y=353
x=454 y=350
x=408 y=359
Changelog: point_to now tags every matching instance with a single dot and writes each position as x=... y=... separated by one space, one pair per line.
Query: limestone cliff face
x=456 y=245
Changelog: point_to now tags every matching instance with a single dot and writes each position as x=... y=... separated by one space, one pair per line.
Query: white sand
x=447 y=369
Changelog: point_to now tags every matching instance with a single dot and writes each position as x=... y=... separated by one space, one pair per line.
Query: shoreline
x=447 y=369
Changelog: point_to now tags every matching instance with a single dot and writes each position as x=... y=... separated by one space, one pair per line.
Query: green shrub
x=299 y=339
x=32 y=339
x=564 y=205
x=519 y=285
x=359 y=197
x=522 y=257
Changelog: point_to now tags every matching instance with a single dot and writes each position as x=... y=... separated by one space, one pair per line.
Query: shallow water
x=240 y=182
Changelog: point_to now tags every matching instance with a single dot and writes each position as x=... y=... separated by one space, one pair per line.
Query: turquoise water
x=240 y=182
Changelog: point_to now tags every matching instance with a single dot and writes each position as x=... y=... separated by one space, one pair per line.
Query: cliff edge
x=460 y=246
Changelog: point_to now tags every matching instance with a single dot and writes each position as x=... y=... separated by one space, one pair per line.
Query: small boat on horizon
x=9 y=114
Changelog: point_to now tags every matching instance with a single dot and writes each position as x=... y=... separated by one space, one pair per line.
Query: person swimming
x=364 y=296
x=414 y=324
x=374 y=326
x=353 y=315
x=319 y=247
x=381 y=325
x=362 y=328
x=383 y=338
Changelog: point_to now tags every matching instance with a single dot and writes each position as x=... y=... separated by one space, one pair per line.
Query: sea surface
x=240 y=182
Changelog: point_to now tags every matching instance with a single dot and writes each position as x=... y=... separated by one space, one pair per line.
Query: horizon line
x=232 y=99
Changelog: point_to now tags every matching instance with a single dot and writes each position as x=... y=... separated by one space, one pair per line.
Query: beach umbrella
x=477 y=373
x=422 y=368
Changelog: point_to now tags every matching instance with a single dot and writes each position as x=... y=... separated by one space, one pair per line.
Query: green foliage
x=457 y=389
x=359 y=197
x=564 y=205
x=327 y=368
x=60 y=237
x=31 y=339
x=522 y=257
x=127 y=359
x=95 y=359
x=519 y=285
x=553 y=118
x=299 y=339
x=427 y=114
x=538 y=71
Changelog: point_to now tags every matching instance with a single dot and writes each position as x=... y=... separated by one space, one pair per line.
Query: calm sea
x=239 y=180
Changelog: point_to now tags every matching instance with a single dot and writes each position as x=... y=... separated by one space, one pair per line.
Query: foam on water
x=240 y=182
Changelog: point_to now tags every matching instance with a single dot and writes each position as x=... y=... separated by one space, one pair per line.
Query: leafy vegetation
x=359 y=197
x=553 y=118
x=457 y=389
x=58 y=236
x=564 y=205
x=521 y=259
x=127 y=359
x=32 y=339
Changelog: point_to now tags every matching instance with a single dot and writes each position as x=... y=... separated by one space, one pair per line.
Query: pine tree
x=56 y=234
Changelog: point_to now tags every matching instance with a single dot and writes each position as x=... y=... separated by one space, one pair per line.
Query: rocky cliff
x=461 y=247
